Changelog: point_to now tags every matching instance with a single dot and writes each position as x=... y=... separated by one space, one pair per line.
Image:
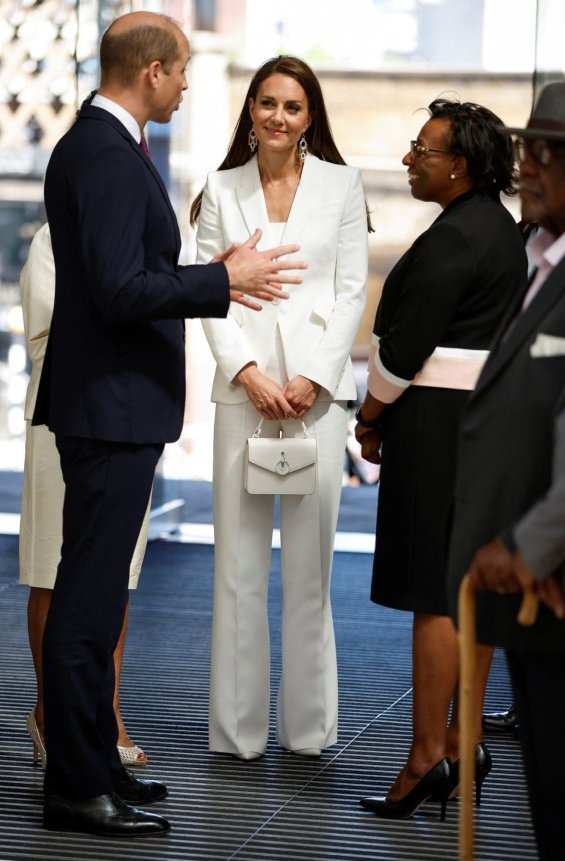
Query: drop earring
x=302 y=148
x=252 y=140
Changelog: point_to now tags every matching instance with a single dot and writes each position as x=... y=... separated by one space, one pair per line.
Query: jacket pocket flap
x=282 y=456
x=547 y=345
x=323 y=310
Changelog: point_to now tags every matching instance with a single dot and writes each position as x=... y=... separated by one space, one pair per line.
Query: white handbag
x=280 y=464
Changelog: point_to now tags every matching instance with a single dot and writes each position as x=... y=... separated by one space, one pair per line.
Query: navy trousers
x=538 y=682
x=107 y=488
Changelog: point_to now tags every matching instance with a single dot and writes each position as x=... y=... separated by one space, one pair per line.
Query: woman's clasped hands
x=274 y=401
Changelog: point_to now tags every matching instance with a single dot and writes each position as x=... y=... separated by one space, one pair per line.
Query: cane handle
x=528 y=608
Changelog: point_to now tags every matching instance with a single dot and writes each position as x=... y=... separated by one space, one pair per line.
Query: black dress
x=450 y=289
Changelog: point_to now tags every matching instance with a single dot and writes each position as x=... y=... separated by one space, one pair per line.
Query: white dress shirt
x=120 y=113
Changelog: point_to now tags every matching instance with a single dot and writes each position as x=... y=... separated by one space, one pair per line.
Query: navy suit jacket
x=115 y=362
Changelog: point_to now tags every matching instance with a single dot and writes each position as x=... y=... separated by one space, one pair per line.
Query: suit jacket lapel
x=528 y=321
x=158 y=179
x=305 y=202
x=251 y=199
x=87 y=111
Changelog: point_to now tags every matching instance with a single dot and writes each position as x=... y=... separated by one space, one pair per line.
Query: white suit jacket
x=319 y=321
x=37 y=286
x=43 y=491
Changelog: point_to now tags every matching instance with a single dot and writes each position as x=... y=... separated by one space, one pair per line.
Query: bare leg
x=37 y=609
x=435 y=668
x=123 y=738
x=483 y=661
x=435 y=672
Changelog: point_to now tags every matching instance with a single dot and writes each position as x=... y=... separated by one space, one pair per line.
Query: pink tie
x=144 y=147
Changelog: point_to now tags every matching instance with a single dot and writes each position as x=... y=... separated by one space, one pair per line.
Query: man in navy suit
x=113 y=391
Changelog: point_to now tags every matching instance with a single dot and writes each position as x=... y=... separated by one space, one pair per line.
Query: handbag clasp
x=283 y=466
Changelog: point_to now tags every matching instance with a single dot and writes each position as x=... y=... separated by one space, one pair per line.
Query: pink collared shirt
x=545 y=252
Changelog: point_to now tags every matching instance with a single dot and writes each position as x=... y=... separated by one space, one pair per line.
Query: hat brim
x=545 y=135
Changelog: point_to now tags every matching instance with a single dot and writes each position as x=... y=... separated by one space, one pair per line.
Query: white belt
x=451 y=368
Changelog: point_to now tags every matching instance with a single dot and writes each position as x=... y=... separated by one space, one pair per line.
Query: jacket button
x=276 y=301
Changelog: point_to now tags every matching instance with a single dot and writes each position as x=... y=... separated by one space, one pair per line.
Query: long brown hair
x=318 y=134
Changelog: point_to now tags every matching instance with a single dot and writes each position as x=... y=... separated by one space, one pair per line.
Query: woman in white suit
x=283 y=174
x=41 y=522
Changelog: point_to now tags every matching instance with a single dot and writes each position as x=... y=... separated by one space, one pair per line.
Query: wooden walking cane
x=467 y=696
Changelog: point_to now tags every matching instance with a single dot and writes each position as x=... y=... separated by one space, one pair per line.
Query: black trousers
x=107 y=488
x=538 y=681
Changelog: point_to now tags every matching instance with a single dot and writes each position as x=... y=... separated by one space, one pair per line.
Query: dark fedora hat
x=547 y=120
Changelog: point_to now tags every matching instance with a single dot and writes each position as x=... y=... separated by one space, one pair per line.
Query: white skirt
x=41 y=524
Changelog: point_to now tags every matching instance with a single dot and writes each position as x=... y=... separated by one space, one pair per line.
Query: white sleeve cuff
x=382 y=384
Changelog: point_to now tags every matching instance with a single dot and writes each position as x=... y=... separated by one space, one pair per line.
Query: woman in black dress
x=439 y=310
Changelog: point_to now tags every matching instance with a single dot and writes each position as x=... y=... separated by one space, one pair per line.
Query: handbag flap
x=271 y=454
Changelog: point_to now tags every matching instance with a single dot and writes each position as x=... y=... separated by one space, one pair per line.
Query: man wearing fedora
x=509 y=506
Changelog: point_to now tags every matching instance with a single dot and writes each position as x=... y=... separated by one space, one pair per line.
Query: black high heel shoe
x=483 y=766
x=436 y=784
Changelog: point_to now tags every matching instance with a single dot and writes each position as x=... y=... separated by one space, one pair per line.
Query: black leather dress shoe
x=501 y=721
x=107 y=815
x=136 y=791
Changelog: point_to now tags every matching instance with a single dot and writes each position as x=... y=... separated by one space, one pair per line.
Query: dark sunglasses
x=540 y=150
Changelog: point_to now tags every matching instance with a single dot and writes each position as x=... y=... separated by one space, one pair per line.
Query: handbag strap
x=257 y=431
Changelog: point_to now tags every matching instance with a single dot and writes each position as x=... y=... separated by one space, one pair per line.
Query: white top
x=276 y=367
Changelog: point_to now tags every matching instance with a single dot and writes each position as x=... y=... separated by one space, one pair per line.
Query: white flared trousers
x=243 y=525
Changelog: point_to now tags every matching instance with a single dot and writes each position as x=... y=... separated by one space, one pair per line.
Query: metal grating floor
x=279 y=807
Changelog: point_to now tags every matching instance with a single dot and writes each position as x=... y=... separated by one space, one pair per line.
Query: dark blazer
x=505 y=455
x=453 y=285
x=451 y=289
x=115 y=362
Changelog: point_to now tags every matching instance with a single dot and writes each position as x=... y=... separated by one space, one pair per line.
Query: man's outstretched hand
x=259 y=274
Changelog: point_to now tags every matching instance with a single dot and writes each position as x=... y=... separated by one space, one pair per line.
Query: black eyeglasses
x=417 y=149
